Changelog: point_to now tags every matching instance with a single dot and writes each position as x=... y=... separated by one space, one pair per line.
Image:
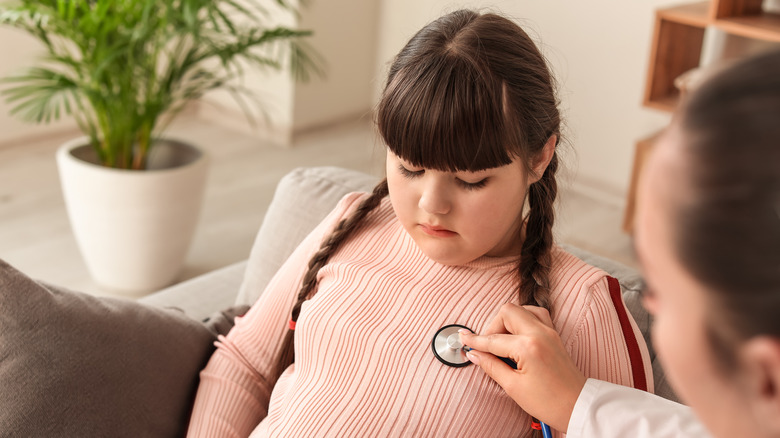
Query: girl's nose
x=434 y=198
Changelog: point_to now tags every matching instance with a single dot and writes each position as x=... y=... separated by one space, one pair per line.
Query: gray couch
x=302 y=199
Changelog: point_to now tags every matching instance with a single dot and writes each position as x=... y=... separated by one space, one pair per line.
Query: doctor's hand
x=546 y=383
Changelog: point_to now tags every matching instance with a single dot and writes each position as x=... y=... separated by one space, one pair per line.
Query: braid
x=344 y=228
x=536 y=259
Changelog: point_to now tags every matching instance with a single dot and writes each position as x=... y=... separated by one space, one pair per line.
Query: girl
x=708 y=236
x=471 y=123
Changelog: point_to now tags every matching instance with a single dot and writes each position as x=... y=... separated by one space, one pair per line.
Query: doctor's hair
x=468 y=92
x=728 y=231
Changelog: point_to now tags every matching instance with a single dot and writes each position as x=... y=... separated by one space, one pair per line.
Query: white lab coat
x=606 y=410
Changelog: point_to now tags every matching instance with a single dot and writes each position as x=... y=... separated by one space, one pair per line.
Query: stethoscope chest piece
x=447 y=347
x=450 y=351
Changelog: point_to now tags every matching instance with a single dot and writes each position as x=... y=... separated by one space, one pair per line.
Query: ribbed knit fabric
x=364 y=365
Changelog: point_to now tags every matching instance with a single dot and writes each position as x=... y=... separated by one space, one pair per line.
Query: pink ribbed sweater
x=364 y=366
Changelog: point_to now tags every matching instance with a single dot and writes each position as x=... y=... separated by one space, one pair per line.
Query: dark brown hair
x=728 y=231
x=468 y=92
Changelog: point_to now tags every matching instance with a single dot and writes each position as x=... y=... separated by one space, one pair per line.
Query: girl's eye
x=409 y=173
x=417 y=173
x=472 y=186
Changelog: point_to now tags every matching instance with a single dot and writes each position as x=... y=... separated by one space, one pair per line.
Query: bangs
x=442 y=113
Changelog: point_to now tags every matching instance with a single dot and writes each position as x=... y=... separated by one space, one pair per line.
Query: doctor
x=708 y=240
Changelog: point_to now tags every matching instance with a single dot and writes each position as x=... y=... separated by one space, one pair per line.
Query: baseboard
x=231 y=119
x=283 y=136
x=42 y=135
x=301 y=131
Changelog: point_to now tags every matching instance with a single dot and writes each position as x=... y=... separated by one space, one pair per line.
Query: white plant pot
x=133 y=228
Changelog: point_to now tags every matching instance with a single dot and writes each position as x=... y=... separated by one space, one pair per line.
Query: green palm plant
x=125 y=68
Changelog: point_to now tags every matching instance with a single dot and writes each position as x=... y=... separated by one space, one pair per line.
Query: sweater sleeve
x=235 y=387
x=607 y=344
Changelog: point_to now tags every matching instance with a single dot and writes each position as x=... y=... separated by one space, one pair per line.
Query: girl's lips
x=437 y=231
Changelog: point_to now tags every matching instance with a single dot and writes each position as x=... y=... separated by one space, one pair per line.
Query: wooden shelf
x=694 y=14
x=735 y=8
x=676 y=49
x=764 y=26
x=678 y=39
x=667 y=102
x=641 y=152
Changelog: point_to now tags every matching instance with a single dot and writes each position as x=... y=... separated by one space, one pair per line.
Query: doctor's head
x=708 y=238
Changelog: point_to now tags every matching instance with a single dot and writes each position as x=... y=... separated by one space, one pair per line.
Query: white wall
x=271 y=103
x=19 y=51
x=348 y=42
x=599 y=51
x=345 y=36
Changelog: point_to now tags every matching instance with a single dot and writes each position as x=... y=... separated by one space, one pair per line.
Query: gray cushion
x=75 y=365
x=302 y=199
x=199 y=297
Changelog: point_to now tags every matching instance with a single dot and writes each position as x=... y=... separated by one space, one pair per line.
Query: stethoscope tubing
x=546 y=431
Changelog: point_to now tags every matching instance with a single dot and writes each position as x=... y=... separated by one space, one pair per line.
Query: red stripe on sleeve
x=634 y=354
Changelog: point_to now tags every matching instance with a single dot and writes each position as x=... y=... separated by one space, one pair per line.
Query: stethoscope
x=450 y=351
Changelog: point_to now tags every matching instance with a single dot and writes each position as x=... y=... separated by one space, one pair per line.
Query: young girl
x=470 y=119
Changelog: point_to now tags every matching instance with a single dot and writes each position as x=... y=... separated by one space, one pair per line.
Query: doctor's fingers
x=546 y=383
x=541 y=314
x=517 y=320
x=506 y=376
x=523 y=387
x=499 y=344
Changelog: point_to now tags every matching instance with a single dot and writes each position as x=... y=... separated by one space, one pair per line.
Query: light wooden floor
x=35 y=236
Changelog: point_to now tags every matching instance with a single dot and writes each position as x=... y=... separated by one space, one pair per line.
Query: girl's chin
x=445 y=255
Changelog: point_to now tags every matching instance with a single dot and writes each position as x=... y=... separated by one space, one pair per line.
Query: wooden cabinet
x=677 y=45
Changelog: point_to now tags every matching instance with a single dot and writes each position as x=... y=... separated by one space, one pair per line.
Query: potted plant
x=123 y=69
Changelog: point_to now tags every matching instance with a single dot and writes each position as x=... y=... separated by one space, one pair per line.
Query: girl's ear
x=761 y=359
x=543 y=159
